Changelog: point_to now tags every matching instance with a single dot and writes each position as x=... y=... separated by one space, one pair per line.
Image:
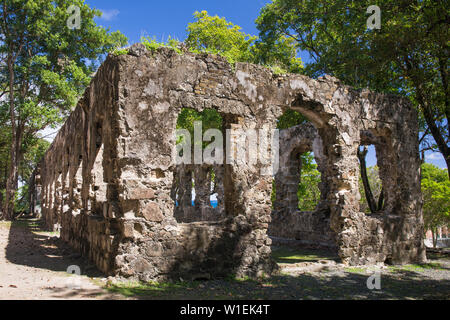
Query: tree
x=375 y=184
x=4 y=157
x=436 y=196
x=308 y=189
x=308 y=192
x=217 y=35
x=209 y=118
x=45 y=67
x=367 y=179
x=409 y=55
x=290 y=118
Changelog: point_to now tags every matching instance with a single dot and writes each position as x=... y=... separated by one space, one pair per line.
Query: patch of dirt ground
x=33 y=265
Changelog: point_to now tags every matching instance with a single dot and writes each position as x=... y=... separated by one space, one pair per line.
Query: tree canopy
x=215 y=35
x=45 y=67
x=436 y=196
x=409 y=55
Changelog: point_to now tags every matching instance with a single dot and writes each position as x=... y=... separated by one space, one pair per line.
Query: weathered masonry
x=311 y=228
x=110 y=180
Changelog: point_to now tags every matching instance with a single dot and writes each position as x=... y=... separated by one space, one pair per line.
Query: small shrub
x=152 y=45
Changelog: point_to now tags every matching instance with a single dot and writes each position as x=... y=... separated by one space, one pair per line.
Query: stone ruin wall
x=110 y=179
x=309 y=228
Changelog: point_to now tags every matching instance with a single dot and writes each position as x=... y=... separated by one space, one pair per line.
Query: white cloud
x=109 y=14
x=434 y=156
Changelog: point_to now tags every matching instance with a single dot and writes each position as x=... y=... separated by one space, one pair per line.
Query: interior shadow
x=285 y=254
x=29 y=245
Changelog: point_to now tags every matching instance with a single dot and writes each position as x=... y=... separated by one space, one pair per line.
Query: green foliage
x=151 y=44
x=436 y=196
x=375 y=184
x=308 y=190
x=277 y=70
x=48 y=66
x=280 y=55
x=287 y=255
x=408 y=56
x=290 y=118
x=58 y=61
x=336 y=34
x=218 y=36
x=33 y=149
x=120 y=52
x=209 y=118
x=21 y=203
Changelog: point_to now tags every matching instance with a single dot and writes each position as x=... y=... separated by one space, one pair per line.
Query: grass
x=277 y=70
x=228 y=289
x=153 y=45
x=417 y=267
x=355 y=270
x=133 y=289
x=437 y=255
x=402 y=282
x=409 y=267
x=350 y=285
x=120 y=52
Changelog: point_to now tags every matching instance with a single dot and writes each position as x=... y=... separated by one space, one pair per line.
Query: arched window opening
x=370 y=184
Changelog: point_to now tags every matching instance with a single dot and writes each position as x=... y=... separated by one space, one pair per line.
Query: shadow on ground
x=292 y=255
x=408 y=285
x=29 y=245
x=428 y=281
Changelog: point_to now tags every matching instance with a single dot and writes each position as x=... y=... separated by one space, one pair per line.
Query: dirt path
x=33 y=266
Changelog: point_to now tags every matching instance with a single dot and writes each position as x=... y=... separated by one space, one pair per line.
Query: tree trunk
x=434 y=234
x=381 y=200
x=368 y=191
x=13 y=179
x=440 y=141
x=11 y=183
x=429 y=115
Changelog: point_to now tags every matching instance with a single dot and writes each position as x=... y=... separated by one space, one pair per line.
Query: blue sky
x=163 y=18
x=170 y=17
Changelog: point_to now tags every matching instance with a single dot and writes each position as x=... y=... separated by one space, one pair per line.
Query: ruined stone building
x=110 y=180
